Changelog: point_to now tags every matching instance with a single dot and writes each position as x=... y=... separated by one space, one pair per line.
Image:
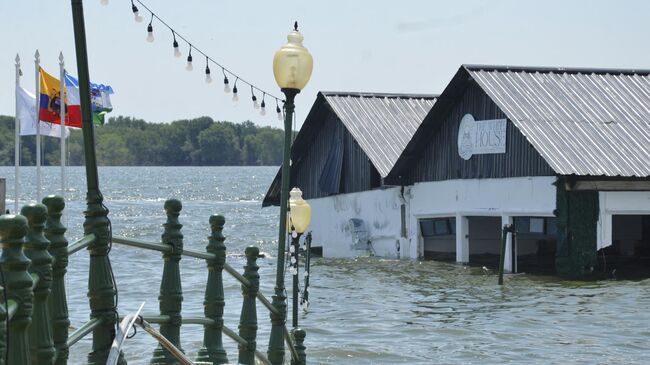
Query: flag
x=50 y=102
x=26 y=113
x=100 y=99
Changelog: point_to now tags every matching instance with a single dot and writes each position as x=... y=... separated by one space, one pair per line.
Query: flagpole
x=37 y=63
x=17 y=141
x=62 y=104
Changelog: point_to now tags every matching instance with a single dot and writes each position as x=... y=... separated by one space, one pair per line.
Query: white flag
x=27 y=115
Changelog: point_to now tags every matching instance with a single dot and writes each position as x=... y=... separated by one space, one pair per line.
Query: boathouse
x=563 y=154
x=347 y=145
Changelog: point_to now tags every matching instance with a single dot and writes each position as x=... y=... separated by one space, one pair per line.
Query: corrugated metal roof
x=582 y=122
x=382 y=124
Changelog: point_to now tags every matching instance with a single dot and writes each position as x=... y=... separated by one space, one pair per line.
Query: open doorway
x=535 y=245
x=629 y=254
x=484 y=241
x=439 y=238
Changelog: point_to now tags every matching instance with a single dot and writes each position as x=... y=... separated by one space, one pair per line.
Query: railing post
x=171 y=293
x=212 y=350
x=3 y=329
x=36 y=245
x=18 y=284
x=299 y=341
x=57 y=300
x=248 y=318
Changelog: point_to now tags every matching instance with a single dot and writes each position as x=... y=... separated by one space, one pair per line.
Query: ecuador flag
x=50 y=102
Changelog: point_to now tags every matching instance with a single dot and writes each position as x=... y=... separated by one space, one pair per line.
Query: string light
x=263 y=105
x=226 y=83
x=235 y=97
x=177 y=52
x=189 y=66
x=256 y=105
x=150 y=30
x=208 y=78
x=136 y=13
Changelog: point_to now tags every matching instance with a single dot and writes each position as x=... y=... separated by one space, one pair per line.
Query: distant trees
x=125 y=141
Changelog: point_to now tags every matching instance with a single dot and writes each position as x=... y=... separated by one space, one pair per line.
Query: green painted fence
x=33 y=264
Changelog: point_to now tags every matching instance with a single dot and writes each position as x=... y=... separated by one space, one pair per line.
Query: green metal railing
x=33 y=263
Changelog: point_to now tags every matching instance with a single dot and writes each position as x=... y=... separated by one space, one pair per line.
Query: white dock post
x=507 y=267
x=462 y=239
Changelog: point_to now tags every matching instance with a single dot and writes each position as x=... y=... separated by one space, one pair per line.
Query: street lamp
x=292 y=66
x=299 y=218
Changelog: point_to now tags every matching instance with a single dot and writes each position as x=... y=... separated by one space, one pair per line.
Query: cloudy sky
x=373 y=46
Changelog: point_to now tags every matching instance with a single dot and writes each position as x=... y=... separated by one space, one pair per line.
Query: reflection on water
x=363 y=311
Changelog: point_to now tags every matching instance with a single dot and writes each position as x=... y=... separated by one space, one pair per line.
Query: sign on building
x=477 y=137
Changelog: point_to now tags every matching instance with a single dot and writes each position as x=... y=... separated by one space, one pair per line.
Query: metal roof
x=382 y=124
x=581 y=121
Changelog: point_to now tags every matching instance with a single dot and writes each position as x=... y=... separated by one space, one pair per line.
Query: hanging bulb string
x=223 y=68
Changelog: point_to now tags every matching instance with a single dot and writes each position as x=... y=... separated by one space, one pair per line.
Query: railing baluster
x=299 y=340
x=248 y=318
x=212 y=350
x=18 y=284
x=171 y=293
x=57 y=300
x=3 y=329
x=36 y=245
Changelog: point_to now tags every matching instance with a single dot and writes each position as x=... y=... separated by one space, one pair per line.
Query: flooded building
x=347 y=145
x=563 y=154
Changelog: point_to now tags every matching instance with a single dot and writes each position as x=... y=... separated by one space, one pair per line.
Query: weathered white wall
x=379 y=209
x=615 y=203
x=505 y=198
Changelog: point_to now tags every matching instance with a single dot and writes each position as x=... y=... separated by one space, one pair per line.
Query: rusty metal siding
x=439 y=158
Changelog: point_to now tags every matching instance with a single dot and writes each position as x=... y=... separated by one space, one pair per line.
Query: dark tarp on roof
x=581 y=121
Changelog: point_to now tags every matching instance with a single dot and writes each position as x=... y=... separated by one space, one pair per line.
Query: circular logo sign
x=466 y=133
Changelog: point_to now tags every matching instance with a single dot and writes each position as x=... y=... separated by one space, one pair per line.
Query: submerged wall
x=380 y=211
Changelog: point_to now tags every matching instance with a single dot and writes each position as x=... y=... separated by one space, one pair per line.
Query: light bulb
x=189 y=66
x=226 y=88
x=177 y=52
x=235 y=97
x=103 y=2
x=256 y=105
x=277 y=110
x=263 y=111
x=208 y=78
x=149 y=33
x=138 y=18
x=292 y=249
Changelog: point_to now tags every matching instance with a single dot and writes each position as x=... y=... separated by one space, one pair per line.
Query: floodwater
x=363 y=311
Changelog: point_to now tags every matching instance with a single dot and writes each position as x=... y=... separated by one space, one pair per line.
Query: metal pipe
x=81 y=244
x=153 y=246
x=294 y=300
x=507 y=228
x=82 y=331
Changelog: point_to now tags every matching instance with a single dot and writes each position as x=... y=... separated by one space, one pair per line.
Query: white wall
x=618 y=203
x=505 y=198
x=379 y=209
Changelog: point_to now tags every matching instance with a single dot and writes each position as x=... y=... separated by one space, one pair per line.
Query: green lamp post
x=299 y=219
x=292 y=66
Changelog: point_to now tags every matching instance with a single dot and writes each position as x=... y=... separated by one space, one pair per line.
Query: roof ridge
x=377 y=94
x=546 y=69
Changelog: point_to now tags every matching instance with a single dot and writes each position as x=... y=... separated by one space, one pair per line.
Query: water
x=364 y=310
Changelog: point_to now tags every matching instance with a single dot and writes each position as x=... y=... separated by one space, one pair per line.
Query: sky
x=359 y=46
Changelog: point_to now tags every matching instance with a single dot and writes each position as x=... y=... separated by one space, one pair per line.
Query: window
x=438 y=227
x=535 y=225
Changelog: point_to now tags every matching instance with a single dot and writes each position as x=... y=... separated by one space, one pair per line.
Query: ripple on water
x=363 y=311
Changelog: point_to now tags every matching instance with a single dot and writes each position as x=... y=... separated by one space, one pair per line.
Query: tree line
x=126 y=141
